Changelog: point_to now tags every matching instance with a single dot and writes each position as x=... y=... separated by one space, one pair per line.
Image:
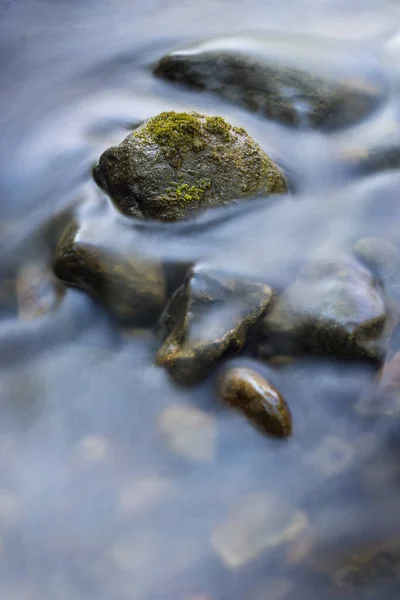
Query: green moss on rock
x=179 y=162
x=175 y=133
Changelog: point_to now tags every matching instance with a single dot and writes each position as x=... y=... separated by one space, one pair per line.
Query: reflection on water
x=115 y=482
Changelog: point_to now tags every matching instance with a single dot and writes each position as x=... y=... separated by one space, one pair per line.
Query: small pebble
x=331 y=456
x=38 y=292
x=247 y=391
x=260 y=522
x=93 y=449
x=143 y=493
x=189 y=432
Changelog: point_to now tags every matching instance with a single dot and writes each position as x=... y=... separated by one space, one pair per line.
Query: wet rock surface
x=250 y=393
x=177 y=163
x=132 y=289
x=298 y=80
x=334 y=307
x=208 y=317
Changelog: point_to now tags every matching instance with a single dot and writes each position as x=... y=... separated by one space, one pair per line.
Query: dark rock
x=368 y=160
x=298 y=80
x=133 y=290
x=334 y=307
x=208 y=317
x=177 y=163
x=247 y=391
x=374 y=572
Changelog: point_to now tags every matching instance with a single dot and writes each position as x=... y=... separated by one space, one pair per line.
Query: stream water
x=116 y=484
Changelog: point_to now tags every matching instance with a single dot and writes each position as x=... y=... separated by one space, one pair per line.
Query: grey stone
x=208 y=317
x=132 y=289
x=334 y=307
x=296 y=79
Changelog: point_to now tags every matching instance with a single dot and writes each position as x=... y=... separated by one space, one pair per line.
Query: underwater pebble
x=38 y=291
x=259 y=522
x=189 y=432
x=143 y=494
x=93 y=449
x=331 y=456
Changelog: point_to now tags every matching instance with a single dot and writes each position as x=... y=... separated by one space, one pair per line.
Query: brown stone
x=247 y=391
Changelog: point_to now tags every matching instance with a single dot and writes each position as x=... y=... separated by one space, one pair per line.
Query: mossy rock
x=334 y=307
x=133 y=290
x=300 y=80
x=210 y=316
x=177 y=163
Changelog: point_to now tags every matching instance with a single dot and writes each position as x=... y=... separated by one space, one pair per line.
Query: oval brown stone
x=247 y=391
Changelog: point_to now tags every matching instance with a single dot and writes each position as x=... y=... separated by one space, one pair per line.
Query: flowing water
x=116 y=484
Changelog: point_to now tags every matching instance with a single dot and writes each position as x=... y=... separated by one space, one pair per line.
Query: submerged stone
x=259 y=523
x=177 y=163
x=132 y=290
x=330 y=457
x=247 y=391
x=209 y=316
x=382 y=398
x=189 y=432
x=334 y=307
x=383 y=258
x=296 y=79
x=38 y=291
x=368 y=160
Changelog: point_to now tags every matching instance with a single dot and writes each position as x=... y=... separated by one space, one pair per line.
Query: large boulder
x=334 y=307
x=295 y=79
x=177 y=163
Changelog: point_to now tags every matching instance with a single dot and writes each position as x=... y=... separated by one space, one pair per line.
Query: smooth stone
x=209 y=316
x=179 y=163
x=131 y=289
x=330 y=457
x=247 y=391
x=189 y=432
x=258 y=523
x=38 y=291
x=334 y=307
x=300 y=80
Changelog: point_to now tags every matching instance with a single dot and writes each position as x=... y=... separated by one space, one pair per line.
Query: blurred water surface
x=115 y=483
